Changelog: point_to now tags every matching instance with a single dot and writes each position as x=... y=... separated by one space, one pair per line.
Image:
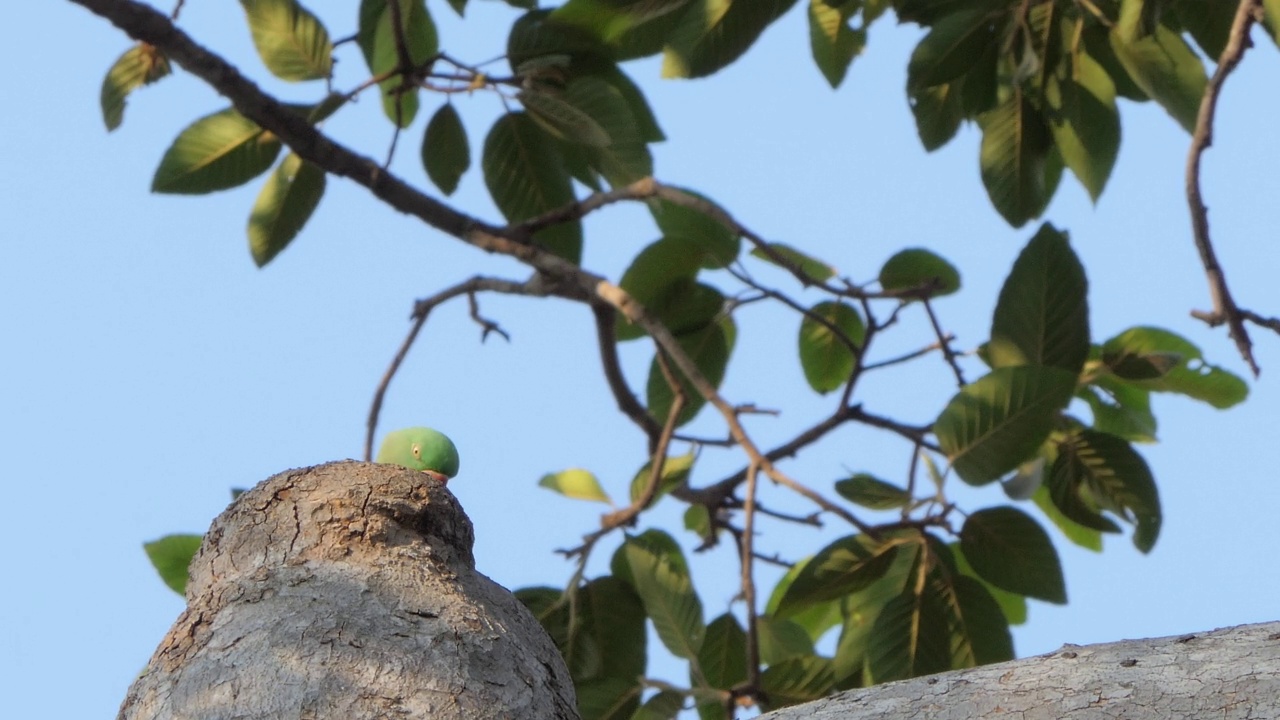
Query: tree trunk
x=1221 y=675
x=348 y=591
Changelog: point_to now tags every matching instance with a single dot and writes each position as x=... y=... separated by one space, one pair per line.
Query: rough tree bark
x=1228 y=674
x=348 y=591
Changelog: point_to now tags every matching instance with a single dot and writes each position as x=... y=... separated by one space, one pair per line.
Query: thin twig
x=606 y=319
x=943 y=340
x=421 y=310
x=748 y=580
x=1224 y=305
x=908 y=356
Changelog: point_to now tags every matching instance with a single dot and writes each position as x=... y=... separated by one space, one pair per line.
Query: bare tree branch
x=1225 y=309
x=421 y=310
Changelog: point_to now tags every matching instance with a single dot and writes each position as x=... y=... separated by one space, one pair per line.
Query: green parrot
x=421 y=448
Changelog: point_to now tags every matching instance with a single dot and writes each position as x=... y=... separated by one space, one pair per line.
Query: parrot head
x=421 y=448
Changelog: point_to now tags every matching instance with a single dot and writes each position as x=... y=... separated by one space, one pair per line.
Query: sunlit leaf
x=1042 y=316
x=283 y=207
x=216 y=152
x=993 y=425
x=669 y=599
x=1161 y=63
x=1009 y=549
x=1085 y=537
x=980 y=632
x=1015 y=152
x=714 y=33
x=829 y=335
x=171 y=556
x=575 y=483
x=833 y=42
x=1120 y=409
x=291 y=41
x=661 y=278
x=446 y=153
x=1084 y=120
x=794 y=260
x=675 y=472
x=140 y=65
x=1192 y=376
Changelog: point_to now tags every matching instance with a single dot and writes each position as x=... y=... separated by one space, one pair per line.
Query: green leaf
x=1014 y=159
x=833 y=42
x=872 y=492
x=1042 y=316
x=645 y=122
x=1085 y=537
x=723 y=655
x=826 y=354
x=697 y=519
x=612 y=614
x=526 y=177
x=291 y=41
x=1208 y=21
x=1161 y=63
x=283 y=207
x=938 y=111
x=545 y=104
x=609 y=20
x=609 y=698
x=377 y=39
x=916 y=267
x=661 y=278
x=1271 y=19
x=625 y=158
x=818 y=618
x=140 y=65
x=709 y=349
x=980 y=629
x=1083 y=119
x=791 y=259
x=216 y=152
x=1120 y=409
x=954 y=44
x=663 y=706
x=909 y=638
x=1097 y=470
x=171 y=556
x=796 y=681
x=994 y=424
x=538 y=34
x=845 y=566
x=718 y=244
x=675 y=472
x=1191 y=377
x=446 y=153
x=668 y=596
x=1012 y=606
x=714 y=33
x=575 y=483
x=1009 y=549
x=781 y=639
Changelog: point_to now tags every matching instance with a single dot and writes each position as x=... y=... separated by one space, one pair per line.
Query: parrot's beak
x=444 y=479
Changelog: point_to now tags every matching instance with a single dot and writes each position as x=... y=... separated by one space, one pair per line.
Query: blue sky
x=150 y=367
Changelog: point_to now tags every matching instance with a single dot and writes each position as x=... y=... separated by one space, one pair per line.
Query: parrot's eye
x=417 y=450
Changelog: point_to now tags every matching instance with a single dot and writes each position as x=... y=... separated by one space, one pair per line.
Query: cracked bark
x=1227 y=674
x=348 y=590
